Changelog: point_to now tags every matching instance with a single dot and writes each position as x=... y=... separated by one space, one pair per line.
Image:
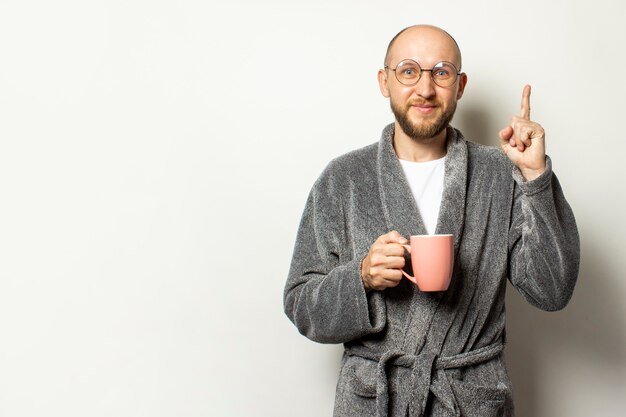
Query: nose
x=425 y=86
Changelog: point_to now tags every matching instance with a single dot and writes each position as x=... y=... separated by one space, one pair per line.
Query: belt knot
x=426 y=375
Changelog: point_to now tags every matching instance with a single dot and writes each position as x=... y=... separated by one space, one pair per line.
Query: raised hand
x=523 y=141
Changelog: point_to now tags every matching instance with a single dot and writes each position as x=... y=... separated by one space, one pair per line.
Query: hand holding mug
x=382 y=266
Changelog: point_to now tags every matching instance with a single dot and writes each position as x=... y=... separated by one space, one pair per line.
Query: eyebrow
x=457 y=66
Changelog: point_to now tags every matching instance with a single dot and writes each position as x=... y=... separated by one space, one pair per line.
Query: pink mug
x=432 y=258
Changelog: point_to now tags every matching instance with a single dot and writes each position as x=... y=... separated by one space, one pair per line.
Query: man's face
x=425 y=109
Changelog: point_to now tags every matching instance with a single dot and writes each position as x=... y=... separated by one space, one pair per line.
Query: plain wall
x=154 y=163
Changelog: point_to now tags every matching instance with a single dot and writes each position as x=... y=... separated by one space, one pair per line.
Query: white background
x=155 y=158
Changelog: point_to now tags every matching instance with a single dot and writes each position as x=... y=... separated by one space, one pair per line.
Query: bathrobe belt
x=427 y=375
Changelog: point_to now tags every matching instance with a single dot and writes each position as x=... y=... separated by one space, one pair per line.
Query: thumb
x=395 y=237
x=505 y=134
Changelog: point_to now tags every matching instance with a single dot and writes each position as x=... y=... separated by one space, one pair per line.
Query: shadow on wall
x=474 y=122
x=533 y=335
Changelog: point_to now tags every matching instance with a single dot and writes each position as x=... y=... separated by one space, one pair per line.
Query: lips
x=424 y=107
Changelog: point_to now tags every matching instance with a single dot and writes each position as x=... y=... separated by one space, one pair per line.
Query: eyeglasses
x=409 y=72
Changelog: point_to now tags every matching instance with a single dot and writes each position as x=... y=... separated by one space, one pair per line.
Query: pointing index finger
x=525 y=113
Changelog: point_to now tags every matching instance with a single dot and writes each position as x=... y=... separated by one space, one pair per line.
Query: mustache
x=423 y=103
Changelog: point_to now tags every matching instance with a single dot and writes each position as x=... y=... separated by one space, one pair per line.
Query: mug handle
x=410 y=278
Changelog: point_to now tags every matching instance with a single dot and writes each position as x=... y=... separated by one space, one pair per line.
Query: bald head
x=425 y=39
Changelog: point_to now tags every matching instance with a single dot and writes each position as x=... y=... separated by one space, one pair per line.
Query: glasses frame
x=421 y=71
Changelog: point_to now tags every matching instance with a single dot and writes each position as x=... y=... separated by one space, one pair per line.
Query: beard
x=426 y=130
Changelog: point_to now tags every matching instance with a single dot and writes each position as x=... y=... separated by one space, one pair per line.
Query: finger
x=526 y=137
x=525 y=113
x=392 y=279
x=387 y=278
x=506 y=134
x=392 y=249
x=393 y=275
x=526 y=130
x=393 y=283
x=394 y=262
x=517 y=140
x=383 y=283
x=392 y=237
x=379 y=260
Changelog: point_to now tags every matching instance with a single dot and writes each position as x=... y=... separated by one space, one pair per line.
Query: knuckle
x=374 y=272
x=377 y=249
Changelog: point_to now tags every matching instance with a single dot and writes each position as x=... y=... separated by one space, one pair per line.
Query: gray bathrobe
x=414 y=353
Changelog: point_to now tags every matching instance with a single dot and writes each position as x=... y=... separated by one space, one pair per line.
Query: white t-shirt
x=426 y=182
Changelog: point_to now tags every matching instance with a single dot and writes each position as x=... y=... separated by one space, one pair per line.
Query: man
x=413 y=353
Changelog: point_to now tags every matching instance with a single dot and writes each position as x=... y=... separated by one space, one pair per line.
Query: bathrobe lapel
x=401 y=214
x=398 y=204
x=452 y=210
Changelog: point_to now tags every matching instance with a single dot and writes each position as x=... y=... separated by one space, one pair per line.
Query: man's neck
x=419 y=150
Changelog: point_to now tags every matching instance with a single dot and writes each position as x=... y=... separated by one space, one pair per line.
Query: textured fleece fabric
x=434 y=354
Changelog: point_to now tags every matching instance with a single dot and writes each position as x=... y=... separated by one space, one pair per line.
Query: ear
x=462 y=84
x=382 y=83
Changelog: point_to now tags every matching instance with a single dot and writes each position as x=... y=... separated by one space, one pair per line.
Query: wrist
x=531 y=174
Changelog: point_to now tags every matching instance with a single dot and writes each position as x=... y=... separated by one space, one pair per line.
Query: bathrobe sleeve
x=324 y=294
x=543 y=242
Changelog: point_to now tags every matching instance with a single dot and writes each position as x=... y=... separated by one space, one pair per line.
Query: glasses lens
x=444 y=74
x=408 y=72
